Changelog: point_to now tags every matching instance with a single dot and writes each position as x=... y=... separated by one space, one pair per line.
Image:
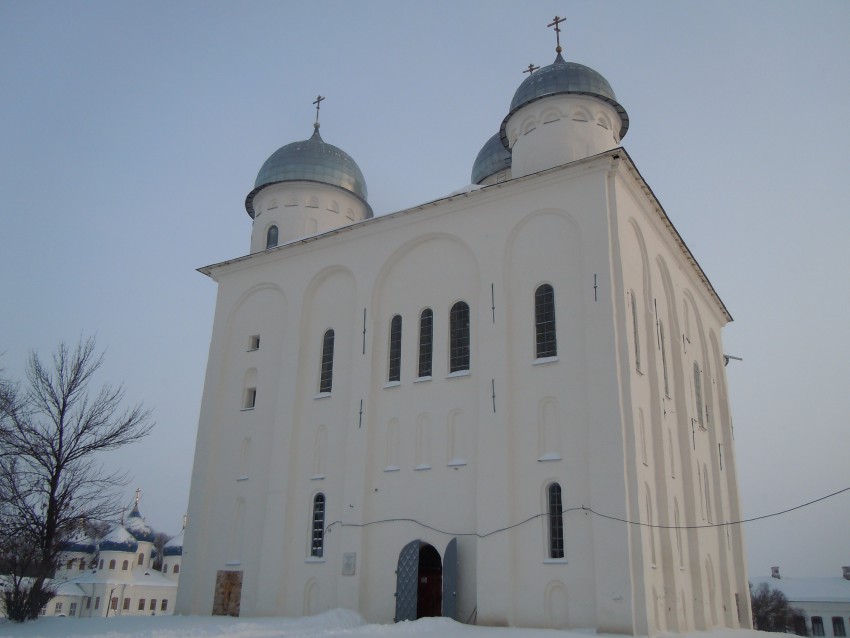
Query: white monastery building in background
x=507 y=406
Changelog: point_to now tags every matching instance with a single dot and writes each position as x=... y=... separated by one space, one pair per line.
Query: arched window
x=394 y=368
x=141 y=558
x=125 y=565
x=112 y=564
x=556 y=521
x=317 y=545
x=664 y=358
x=459 y=337
x=544 y=321
x=176 y=569
x=271 y=237
x=635 y=332
x=698 y=392
x=165 y=568
x=326 y=377
x=101 y=564
x=426 y=342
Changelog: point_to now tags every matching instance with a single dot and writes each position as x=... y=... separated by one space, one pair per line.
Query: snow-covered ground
x=335 y=623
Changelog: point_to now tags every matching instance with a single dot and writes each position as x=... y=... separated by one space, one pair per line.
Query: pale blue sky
x=131 y=132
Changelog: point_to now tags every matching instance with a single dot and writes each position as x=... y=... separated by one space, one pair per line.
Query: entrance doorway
x=425 y=584
x=429 y=592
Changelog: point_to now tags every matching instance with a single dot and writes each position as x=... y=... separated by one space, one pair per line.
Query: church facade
x=507 y=406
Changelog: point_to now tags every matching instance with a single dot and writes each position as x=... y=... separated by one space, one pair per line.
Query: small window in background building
x=88 y=602
x=165 y=568
x=153 y=604
x=112 y=564
x=176 y=569
x=164 y=605
x=125 y=565
x=141 y=558
x=141 y=604
x=838 y=626
x=254 y=342
x=114 y=603
x=97 y=603
x=817 y=626
x=72 y=609
x=58 y=608
x=126 y=604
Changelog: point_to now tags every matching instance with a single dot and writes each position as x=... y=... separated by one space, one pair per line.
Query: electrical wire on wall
x=586 y=510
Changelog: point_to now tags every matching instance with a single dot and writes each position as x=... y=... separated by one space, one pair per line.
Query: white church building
x=507 y=406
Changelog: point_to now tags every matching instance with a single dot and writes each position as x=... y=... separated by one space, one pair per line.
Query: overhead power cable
x=586 y=510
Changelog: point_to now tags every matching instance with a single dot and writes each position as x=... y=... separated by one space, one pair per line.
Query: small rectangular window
x=126 y=604
x=817 y=626
x=58 y=608
x=88 y=602
x=838 y=626
x=153 y=604
x=141 y=604
x=254 y=342
x=72 y=609
x=97 y=603
x=250 y=398
x=114 y=603
x=164 y=605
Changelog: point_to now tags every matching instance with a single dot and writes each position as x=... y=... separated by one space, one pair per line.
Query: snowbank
x=339 y=622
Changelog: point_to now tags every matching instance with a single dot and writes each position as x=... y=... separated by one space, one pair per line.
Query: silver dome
x=492 y=158
x=311 y=161
x=559 y=78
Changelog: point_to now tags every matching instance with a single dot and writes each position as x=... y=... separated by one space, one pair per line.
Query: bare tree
x=773 y=612
x=51 y=483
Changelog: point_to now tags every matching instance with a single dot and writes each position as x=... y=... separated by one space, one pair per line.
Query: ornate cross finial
x=138 y=496
x=555 y=22
x=318 y=103
x=531 y=69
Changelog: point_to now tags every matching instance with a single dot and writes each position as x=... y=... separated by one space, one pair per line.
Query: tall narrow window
x=271 y=237
x=394 y=368
x=698 y=393
x=817 y=626
x=327 y=375
x=837 y=626
x=635 y=332
x=544 y=321
x=459 y=337
x=317 y=544
x=556 y=521
x=426 y=342
x=664 y=359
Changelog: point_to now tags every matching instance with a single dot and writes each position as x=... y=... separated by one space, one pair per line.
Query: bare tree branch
x=51 y=481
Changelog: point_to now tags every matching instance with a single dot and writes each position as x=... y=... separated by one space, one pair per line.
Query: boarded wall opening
x=228 y=593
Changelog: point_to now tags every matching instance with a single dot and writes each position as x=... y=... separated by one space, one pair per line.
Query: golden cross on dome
x=555 y=23
x=531 y=69
x=318 y=103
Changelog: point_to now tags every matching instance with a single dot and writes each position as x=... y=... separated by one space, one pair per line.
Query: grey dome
x=310 y=161
x=559 y=78
x=492 y=158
